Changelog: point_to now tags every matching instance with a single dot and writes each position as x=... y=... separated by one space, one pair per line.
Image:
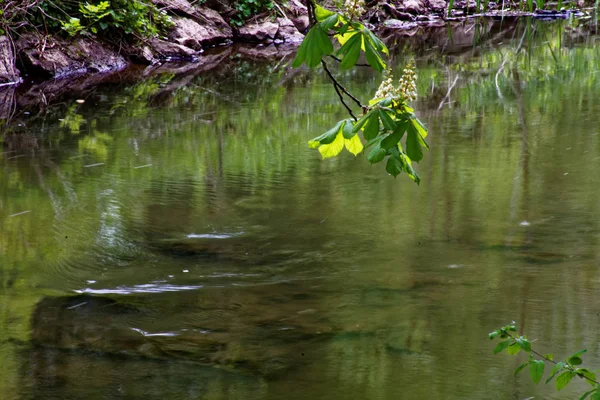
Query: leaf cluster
x=353 y=37
x=383 y=126
x=244 y=9
x=107 y=18
x=564 y=371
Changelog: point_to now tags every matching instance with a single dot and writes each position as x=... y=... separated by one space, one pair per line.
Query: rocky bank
x=37 y=57
x=33 y=57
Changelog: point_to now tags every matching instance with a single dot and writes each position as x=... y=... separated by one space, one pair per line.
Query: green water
x=177 y=239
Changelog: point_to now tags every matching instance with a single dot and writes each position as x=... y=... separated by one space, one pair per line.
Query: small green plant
x=117 y=18
x=247 y=8
x=564 y=370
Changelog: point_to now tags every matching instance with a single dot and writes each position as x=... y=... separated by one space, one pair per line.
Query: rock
x=188 y=33
x=180 y=7
x=166 y=49
x=437 y=5
x=191 y=34
x=142 y=55
x=57 y=57
x=412 y=6
x=7 y=102
x=258 y=31
x=214 y=29
x=212 y=20
x=390 y=10
x=297 y=13
x=8 y=71
x=398 y=24
x=288 y=32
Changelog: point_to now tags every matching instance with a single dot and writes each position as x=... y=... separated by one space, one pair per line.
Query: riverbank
x=34 y=57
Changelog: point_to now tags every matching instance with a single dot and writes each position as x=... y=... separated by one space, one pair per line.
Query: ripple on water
x=144 y=288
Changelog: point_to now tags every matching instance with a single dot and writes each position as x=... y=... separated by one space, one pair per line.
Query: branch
x=337 y=90
x=339 y=60
x=343 y=89
x=567 y=366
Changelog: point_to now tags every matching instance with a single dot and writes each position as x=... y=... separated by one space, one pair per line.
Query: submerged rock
x=242 y=328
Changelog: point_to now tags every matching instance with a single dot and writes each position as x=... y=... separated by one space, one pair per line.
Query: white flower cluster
x=407 y=87
x=386 y=89
x=408 y=83
x=354 y=8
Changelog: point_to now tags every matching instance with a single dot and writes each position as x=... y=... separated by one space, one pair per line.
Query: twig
x=447 y=94
x=339 y=60
x=280 y=10
x=343 y=89
x=337 y=87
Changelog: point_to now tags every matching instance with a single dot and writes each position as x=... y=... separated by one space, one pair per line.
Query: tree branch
x=337 y=87
x=343 y=89
x=339 y=60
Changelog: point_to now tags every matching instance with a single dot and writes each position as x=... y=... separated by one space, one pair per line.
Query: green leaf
x=301 y=53
x=514 y=348
x=388 y=122
x=322 y=13
x=373 y=49
x=586 y=394
x=379 y=45
x=413 y=144
x=330 y=22
x=580 y=352
x=549 y=357
x=373 y=57
x=492 y=335
x=327 y=137
x=536 y=370
x=575 y=361
x=348 y=129
x=392 y=140
x=406 y=163
x=333 y=149
x=588 y=375
x=353 y=145
x=376 y=155
x=372 y=127
x=361 y=122
x=523 y=343
x=315 y=45
x=394 y=166
x=350 y=51
x=563 y=379
x=423 y=131
x=373 y=141
x=595 y=396
x=557 y=368
x=520 y=367
x=502 y=345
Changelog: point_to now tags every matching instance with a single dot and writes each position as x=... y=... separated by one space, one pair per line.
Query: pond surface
x=177 y=238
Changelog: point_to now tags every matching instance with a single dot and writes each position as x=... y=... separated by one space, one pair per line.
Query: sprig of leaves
x=383 y=126
x=564 y=371
x=352 y=36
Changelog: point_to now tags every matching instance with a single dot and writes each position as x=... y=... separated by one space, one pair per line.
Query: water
x=177 y=239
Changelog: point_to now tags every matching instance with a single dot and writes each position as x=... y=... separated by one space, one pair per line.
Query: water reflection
x=175 y=238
